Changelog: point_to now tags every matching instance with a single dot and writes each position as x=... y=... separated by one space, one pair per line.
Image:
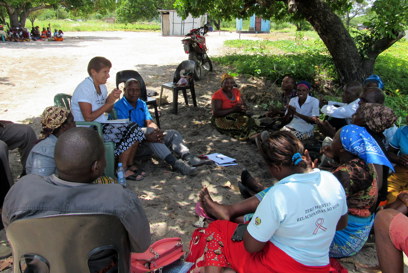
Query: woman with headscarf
x=54 y=121
x=302 y=112
x=376 y=118
x=229 y=111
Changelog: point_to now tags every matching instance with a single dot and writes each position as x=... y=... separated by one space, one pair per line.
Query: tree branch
x=382 y=44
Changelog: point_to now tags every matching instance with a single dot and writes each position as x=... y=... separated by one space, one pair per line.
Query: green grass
x=95 y=25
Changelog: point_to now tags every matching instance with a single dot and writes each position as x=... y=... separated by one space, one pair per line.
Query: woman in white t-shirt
x=91 y=101
x=302 y=112
x=293 y=226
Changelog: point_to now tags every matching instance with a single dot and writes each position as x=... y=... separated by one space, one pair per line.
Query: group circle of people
x=316 y=211
x=22 y=34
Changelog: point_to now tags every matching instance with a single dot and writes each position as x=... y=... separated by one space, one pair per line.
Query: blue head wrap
x=375 y=78
x=358 y=141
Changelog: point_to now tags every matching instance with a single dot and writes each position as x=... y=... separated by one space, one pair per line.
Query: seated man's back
x=79 y=157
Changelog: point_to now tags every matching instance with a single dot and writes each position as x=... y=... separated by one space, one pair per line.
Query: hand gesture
x=310 y=164
x=113 y=96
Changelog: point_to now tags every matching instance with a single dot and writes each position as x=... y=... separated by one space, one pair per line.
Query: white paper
x=222 y=160
x=125 y=120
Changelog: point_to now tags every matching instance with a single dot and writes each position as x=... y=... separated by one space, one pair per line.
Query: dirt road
x=31 y=73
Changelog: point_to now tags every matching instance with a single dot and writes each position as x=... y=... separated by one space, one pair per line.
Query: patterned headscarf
x=226 y=76
x=52 y=118
x=359 y=142
x=376 y=116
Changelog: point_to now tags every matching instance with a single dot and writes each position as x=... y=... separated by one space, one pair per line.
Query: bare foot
x=212 y=208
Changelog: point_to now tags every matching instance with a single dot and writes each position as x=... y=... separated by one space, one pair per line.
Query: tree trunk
x=338 y=41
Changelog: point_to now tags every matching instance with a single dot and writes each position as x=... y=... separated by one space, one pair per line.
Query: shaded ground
x=32 y=73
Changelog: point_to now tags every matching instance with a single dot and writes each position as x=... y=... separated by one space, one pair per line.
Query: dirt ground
x=32 y=73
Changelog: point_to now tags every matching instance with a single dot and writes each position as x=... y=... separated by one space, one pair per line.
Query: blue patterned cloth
x=358 y=141
x=347 y=242
x=375 y=78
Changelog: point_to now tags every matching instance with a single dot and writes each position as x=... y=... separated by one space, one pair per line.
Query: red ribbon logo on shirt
x=319 y=225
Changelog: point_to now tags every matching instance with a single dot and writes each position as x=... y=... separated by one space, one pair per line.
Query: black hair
x=281 y=149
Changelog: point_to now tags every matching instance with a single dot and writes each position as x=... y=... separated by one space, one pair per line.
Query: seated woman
x=91 y=101
x=302 y=112
x=376 y=118
x=54 y=121
x=229 y=111
x=398 y=154
x=357 y=152
x=293 y=225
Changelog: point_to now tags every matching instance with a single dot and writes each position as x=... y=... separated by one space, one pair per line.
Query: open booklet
x=222 y=160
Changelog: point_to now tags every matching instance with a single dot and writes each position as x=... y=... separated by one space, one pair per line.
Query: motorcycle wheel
x=207 y=64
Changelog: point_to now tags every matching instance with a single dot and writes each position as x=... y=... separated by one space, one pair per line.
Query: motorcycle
x=195 y=47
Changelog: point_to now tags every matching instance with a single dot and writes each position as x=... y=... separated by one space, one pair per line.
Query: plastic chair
x=124 y=75
x=69 y=243
x=64 y=100
x=188 y=66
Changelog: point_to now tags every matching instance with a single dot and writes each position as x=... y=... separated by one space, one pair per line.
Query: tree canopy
x=354 y=54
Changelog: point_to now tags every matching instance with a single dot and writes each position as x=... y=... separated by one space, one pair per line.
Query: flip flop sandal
x=135 y=177
x=201 y=213
x=137 y=171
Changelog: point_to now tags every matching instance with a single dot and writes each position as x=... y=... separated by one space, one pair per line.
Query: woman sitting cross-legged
x=293 y=226
x=91 y=101
x=302 y=112
x=230 y=111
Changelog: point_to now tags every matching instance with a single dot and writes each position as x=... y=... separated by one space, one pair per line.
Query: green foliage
x=136 y=10
x=97 y=25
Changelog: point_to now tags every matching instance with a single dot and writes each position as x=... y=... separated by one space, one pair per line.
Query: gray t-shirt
x=36 y=196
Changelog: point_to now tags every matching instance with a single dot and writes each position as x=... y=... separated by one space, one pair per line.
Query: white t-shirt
x=299 y=215
x=310 y=108
x=341 y=110
x=86 y=92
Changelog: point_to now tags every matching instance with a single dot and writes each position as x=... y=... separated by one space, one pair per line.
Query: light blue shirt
x=299 y=215
x=400 y=140
x=41 y=158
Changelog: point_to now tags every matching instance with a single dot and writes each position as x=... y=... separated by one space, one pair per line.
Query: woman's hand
x=310 y=164
x=113 y=96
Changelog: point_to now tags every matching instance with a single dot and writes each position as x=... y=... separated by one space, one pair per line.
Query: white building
x=173 y=25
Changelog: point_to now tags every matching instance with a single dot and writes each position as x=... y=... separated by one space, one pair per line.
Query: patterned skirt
x=236 y=125
x=347 y=242
x=124 y=135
